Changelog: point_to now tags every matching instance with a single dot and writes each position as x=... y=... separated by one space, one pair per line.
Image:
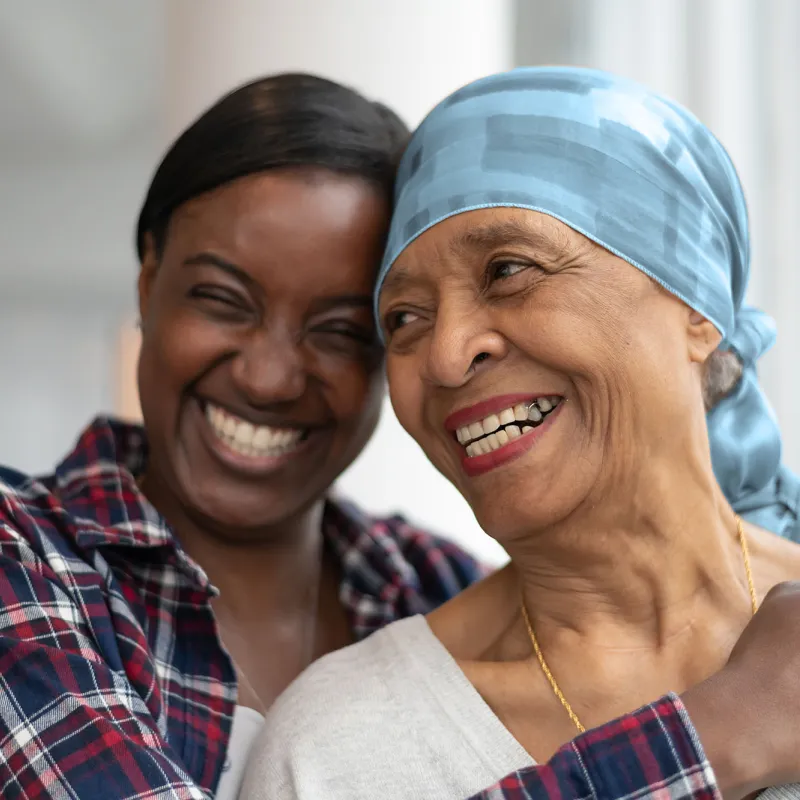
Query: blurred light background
x=92 y=91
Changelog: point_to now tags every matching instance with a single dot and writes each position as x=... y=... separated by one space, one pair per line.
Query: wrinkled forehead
x=626 y=168
x=458 y=242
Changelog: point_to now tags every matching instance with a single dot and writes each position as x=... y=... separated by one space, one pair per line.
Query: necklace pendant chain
x=549 y=675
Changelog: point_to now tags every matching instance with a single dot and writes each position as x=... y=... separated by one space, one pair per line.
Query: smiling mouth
x=497 y=430
x=257 y=442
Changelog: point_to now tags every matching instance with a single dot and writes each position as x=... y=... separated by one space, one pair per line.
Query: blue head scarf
x=643 y=178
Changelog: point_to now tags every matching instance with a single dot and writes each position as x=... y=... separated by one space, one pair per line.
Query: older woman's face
x=536 y=369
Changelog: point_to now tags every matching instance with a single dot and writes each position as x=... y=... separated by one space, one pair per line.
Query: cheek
x=406 y=394
x=178 y=347
x=355 y=389
x=578 y=330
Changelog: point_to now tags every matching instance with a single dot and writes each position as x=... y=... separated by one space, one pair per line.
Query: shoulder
x=434 y=566
x=29 y=511
x=344 y=706
x=359 y=676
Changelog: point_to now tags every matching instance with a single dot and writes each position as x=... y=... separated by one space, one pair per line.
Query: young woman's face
x=260 y=373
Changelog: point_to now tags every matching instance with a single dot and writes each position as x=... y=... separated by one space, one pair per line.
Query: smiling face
x=260 y=373
x=538 y=372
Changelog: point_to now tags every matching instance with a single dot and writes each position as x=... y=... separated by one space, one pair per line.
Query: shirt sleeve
x=652 y=753
x=71 y=725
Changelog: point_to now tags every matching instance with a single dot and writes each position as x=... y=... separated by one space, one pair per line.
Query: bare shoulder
x=774 y=558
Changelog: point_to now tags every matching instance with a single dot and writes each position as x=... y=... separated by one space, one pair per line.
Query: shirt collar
x=97 y=485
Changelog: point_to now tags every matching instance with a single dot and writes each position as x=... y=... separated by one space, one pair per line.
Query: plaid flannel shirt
x=653 y=753
x=113 y=682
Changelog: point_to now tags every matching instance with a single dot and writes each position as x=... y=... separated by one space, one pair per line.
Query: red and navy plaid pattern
x=113 y=683
x=653 y=753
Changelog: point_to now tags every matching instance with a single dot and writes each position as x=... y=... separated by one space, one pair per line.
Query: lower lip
x=250 y=465
x=478 y=465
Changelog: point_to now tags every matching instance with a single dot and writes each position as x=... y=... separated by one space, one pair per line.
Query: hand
x=748 y=714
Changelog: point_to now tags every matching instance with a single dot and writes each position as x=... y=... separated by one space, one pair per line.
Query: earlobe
x=703 y=337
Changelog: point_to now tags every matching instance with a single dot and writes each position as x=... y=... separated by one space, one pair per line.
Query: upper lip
x=270 y=420
x=465 y=416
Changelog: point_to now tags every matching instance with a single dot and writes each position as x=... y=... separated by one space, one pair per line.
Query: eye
x=221 y=303
x=217 y=294
x=499 y=270
x=395 y=320
x=346 y=328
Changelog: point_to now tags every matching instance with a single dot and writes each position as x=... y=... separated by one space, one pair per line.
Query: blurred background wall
x=92 y=91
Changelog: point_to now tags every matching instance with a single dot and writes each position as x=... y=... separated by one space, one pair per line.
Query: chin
x=509 y=516
x=229 y=508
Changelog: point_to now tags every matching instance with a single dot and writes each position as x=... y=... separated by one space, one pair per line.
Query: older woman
x=562 y=303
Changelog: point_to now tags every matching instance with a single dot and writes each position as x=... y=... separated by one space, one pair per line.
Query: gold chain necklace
x=549 y=675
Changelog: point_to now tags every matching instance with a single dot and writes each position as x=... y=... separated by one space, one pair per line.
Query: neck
x=637 y=574
x=276 y=569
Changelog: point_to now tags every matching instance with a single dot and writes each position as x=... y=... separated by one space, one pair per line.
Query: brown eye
x=398 y=319
x=506 y=269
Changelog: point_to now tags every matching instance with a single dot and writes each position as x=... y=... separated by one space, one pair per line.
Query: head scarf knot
x=640 y=176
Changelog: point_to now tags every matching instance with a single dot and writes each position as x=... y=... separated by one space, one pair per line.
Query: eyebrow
x=492 y=235
x=210 y=259
x=398 y=278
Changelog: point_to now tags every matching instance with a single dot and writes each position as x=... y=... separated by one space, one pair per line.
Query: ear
x=703 y=337
x=147 y=274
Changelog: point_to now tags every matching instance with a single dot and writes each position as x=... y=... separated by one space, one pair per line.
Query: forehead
x=309 y=228
x=458 y=241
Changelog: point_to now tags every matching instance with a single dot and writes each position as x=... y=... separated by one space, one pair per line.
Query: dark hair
x=277 y=121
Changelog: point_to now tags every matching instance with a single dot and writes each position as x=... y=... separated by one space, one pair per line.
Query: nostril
x=479 y=358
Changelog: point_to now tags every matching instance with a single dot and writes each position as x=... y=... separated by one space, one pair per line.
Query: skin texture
x=260 y=305
x=622 y=545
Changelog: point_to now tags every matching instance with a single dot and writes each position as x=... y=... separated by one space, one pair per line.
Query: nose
x=463 y=343
x=269 y=368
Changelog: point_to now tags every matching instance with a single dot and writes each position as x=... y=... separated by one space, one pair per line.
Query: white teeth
x=475 y=430
x=507 y=416
x=244 y=433
x=534 y=414
x=491 y=424
x=497 y=430
x=257 y=441
x=261 y=438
